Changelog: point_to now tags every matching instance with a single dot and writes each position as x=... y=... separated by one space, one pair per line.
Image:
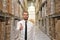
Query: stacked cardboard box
x=0 y=4
x=2 y=30
x=52 y=18
x=57 y=6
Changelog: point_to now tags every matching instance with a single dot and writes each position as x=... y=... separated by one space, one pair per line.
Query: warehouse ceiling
x=27 y=3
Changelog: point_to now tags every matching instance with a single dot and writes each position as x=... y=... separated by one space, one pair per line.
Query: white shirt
x=30 y=30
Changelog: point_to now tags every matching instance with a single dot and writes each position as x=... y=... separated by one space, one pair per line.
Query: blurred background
x=44 y=14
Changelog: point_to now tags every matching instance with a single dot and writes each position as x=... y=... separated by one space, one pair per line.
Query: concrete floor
x=39 y=35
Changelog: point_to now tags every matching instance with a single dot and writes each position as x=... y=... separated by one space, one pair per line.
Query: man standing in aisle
x=26 y=28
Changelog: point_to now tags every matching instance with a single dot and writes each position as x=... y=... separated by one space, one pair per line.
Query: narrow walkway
x=39 y=35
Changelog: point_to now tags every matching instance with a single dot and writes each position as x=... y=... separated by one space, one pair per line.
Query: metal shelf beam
x=4 y=16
